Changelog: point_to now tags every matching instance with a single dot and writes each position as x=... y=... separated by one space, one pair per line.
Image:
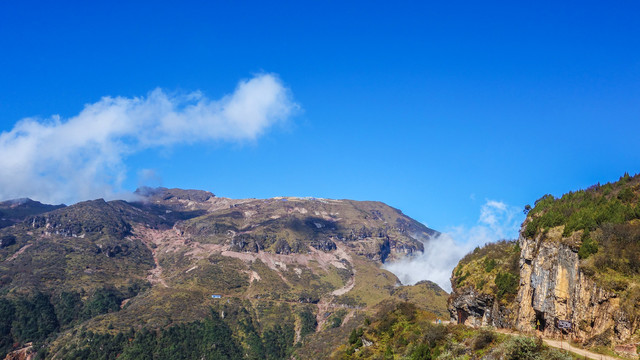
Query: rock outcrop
x=469 y=307
x=553 y=288
x=26 y=353
x=476 y=299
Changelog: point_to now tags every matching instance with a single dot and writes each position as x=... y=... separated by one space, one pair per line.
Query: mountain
x=15 y=211
x=178 y=271
x=577 y=260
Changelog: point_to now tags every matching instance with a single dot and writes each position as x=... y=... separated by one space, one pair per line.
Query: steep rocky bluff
x=553 y=287
x=78 y=279
x=484 y=286
x=577 y=259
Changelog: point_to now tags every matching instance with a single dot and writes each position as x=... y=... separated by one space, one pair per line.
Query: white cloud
x=66 y=160
x=497 y=221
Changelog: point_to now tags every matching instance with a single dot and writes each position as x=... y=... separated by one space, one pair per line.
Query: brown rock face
x=553 y=288
x=471 y=308
x=25 y=353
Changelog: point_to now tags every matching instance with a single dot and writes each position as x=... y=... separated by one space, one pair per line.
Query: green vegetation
x=36 y=318
x=26 y=320
x=208 y=339
x=401 y=331
x=588 y=246
x=489 y=264
x=602 y=223
x=426 y=295
x=237 y=336
x=335 y=320
x=492 y=269
x=100 y=280
x=613 y=203
x=308 y=323
x=507 y=284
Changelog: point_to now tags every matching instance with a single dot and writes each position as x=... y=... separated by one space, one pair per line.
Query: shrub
x=523 y=348
x=586 y=209
x=482 y=340
x=588 y=247
x=489 y=264
x=507 y=284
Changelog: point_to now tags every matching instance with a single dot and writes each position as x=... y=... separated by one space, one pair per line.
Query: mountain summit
x=295 y=267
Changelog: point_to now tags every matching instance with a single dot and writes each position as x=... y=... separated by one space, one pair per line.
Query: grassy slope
x=402 y=331
x=483 y=268
x=95 y=245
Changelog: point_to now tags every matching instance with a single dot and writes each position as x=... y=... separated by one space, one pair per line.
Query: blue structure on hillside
x=216 y=296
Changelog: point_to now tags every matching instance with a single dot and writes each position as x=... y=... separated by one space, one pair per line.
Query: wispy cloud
x=83 y=157
x=497 y=221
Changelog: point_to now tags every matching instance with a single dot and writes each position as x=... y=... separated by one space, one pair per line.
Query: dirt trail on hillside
x=15 y=256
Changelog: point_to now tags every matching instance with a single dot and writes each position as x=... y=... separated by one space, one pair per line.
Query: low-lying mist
x=497 y=221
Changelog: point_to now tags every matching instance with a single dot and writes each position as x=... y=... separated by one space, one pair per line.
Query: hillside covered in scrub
x=402 y=331
x=486 y=278
x=577 y=259
x=186 y=274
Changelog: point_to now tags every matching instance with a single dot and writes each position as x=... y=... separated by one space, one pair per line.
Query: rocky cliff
x=484 y=286
x=578 y=262
x=553 y=288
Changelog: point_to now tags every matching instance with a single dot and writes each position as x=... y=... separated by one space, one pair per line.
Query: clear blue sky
x=431 y=108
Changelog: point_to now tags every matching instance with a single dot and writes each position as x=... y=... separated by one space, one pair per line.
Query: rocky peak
x=16 y=210
x=164 y=194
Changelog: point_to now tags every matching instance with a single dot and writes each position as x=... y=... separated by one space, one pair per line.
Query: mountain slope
x=283 y=268
x=15 y=211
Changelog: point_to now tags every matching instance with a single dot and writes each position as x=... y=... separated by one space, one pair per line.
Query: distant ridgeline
x=186 y=274
x=577 y=260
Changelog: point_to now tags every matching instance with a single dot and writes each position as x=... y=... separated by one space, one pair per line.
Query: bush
x=588 y=247
x=553 y=354
x=507 y=284
x=482 y=340
x=102 y=301
x=489 y=264
x=308 y=323
x=586 y=209
x=524 y=348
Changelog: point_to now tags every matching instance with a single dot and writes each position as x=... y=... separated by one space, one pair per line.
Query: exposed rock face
x=162 y=193
x=469 y=307
x=25 y=353
x=87 y=217
x=15 y=211
x=553 y=288
x=295 y=225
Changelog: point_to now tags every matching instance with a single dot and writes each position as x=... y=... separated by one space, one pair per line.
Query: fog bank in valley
x=497 y=221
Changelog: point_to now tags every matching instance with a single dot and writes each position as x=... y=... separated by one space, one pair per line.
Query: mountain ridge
x=155 y=263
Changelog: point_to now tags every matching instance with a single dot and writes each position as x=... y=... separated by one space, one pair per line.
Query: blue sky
x=436 y=109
